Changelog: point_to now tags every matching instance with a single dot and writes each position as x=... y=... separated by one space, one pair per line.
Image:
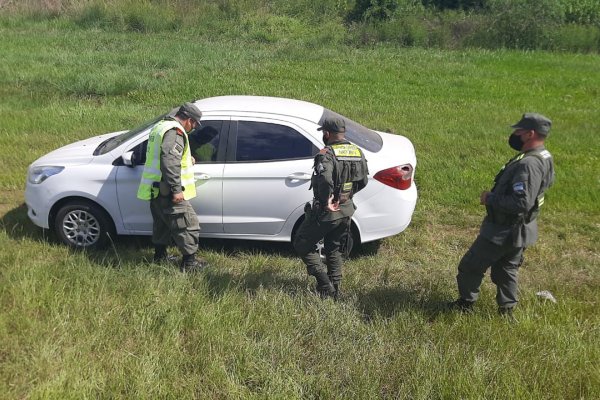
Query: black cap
x=191 y=111
x=536 y=122
x=333 y=125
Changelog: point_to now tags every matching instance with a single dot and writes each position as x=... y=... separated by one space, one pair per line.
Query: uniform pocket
x=177 y=221
x=191 y=221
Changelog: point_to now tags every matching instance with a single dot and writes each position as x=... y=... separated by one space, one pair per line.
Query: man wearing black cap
x=340 y=170
x=510 y=225
x=168 y=183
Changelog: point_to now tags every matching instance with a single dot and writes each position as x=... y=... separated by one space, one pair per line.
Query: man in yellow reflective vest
x=168 y=183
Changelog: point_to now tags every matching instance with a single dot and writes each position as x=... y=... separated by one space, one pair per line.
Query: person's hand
x=483 y=197
x=332 y=205
x=177 y=197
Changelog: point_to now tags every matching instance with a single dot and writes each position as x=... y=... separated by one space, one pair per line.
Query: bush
x=129 y=16
x=582 y=11
x=579 y=38
x=273 y=29
x=373 y=10
x=323 y=11
x=456 y=4
x=521 y=24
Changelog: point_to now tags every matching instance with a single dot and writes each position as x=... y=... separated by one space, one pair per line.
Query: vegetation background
x=449 y=75
x=564 y=25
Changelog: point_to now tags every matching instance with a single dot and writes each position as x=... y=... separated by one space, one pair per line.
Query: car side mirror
x=129 y=159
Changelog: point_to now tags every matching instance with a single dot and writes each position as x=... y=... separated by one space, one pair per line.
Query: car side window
x=139 y=153
x=204 y=141
x=261 y=141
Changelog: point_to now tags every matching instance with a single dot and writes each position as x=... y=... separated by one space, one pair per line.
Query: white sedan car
x=254 y=158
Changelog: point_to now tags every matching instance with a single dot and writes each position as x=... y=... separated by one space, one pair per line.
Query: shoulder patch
x=177 y=150
x=519 y=187
x=323 y=150
x=545 y=154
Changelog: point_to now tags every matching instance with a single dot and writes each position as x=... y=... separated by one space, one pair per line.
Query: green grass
x=110 y=325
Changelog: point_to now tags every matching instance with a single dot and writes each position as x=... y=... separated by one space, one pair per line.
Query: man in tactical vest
x=168 y=183
x=340 y=170
x=510 y=225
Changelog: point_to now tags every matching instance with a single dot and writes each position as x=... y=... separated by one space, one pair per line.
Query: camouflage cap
x=534 y=121
x=191 y=111
x=337 y=125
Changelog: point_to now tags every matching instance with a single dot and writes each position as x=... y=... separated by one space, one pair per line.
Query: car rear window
x=261 y=141
x=356 y=133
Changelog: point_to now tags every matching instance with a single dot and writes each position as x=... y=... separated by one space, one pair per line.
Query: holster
x=312 y=210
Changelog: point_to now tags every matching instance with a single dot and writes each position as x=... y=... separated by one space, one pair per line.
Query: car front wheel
x=83 y=225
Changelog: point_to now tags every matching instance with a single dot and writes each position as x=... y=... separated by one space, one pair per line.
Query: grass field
x=110 y=325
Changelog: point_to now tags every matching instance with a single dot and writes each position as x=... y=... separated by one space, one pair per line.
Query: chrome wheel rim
x=81 y=228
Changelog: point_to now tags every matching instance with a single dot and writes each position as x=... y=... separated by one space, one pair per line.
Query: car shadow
x=16 y=224
x=381 y=302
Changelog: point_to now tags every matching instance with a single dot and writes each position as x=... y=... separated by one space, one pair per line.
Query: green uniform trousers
x=504 y=261
x=175 y=222
x=308 y=235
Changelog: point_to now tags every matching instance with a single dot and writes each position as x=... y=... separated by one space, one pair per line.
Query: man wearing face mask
x=340 y=171
x=510 y=225
x=168 y=183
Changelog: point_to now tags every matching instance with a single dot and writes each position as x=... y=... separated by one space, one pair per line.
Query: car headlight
x=38 y=175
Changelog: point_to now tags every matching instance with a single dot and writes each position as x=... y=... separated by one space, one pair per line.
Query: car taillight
x=399 y=177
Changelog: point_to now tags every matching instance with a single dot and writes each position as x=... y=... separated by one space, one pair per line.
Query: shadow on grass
x=381 y=302
x=17 y=225
x=386 y=302
x=220 y=282
x=124 y=248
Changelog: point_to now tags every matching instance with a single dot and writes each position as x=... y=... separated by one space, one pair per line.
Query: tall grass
x=566 y=25
x=112 y=325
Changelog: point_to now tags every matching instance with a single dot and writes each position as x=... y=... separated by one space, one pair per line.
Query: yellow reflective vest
x=151 y=176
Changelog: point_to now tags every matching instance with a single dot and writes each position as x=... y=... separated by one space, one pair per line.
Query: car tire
x=354 y=246
x=83 y=225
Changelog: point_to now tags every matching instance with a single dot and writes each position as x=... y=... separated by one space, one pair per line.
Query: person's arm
x=170 y=160
x=324 y=177
x=524 y=189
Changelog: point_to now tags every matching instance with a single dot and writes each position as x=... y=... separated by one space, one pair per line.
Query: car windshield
x=356 y=133
x=115 y=141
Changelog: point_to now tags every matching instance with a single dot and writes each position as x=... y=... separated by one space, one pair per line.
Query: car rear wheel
x=83 y=225
x=352 y=244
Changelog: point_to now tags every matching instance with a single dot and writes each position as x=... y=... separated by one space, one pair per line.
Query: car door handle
x=300 y=175
x=201 y=177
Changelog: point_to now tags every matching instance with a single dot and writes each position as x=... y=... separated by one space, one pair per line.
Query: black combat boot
x=507 y=312
x=190 y=263
x=160 y=254
x=461 y=305
x=324 y=287
x=337 y=294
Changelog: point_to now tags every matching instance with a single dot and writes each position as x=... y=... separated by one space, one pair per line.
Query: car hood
x=78 y=153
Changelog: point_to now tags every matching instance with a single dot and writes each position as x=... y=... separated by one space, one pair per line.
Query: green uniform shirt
x=171 y=151
x=325 y=179
x=512 y=206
